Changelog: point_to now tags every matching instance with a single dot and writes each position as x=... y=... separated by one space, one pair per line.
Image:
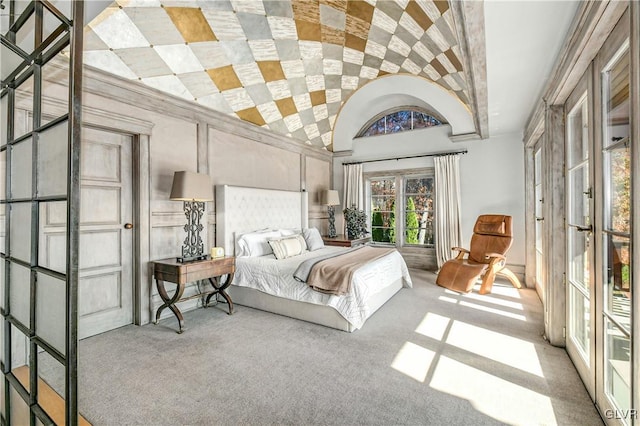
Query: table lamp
x=330 y=198
x=194 y=189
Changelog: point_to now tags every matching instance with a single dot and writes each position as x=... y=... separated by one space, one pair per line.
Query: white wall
x=491 y=173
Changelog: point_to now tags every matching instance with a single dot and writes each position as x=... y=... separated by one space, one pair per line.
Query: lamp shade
x=190 y=186
x=330 y=198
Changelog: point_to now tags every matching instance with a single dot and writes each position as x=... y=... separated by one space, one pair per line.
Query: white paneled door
x=106 y=233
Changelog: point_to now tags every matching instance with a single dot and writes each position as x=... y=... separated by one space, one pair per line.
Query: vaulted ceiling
x=284 y=65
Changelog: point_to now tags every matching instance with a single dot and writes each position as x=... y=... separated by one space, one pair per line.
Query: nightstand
x=182 y=273
x=343 y=241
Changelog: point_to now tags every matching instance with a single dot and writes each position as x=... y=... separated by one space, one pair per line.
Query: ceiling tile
x=279 y=89
x=248 y=74
x=312 y=131
x=225 y=25
x=423 y=51
x=286 y=106
x=310 y=49
x=143 y=61
x=191 y=24
x=331 y=17
x=360 y=10
x=256 y=27
x=438 y=38
x=259 y=93
x=399 y=46
x=248 y=6
x=269 y=112
x=118 y=32
x=351 y=69
x=313 y=66
x=293 y=69
x=368 y=73
x=293 y=122
x=410 y=66
x=302 y=101
x=418 y=15
x=306 y=10
x=435 y=63
x=238 y=51
x=379 y=36
x=318 y=97
x=198 y=83
x=225 y=78
x=390 y=67
x=278 y=8
x=408 y=23
x=264 y=50
x=333 y=95
x=298 y=86
x=391 y=9
x=350 y=82
x=108 y=61
x=271 y=70
x=357 y=27
x=288 y=49
x=282 y=28
x=252 y=115
x=332 y=66
x=92 y=41
x=354 y=42
x=217 y=102
x=315 y=82
x=210 y=54
x=375 y=49
x=170 y=84
x=384 y=21
x=180 y=58
x=331 y=35
x=308 y=30
x=238 y=99
x=353 y=56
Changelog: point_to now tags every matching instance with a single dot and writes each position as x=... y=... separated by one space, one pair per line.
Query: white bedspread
x=275 y=277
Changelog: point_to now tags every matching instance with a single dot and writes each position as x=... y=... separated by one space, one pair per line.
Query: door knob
x=128 y=226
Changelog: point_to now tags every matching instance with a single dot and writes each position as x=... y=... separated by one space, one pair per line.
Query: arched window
x=407 y=118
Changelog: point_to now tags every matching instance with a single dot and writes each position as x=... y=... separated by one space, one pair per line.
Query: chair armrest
x=494 y=256
x=460 y=249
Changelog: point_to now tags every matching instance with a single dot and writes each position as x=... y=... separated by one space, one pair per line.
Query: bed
x=267 y=284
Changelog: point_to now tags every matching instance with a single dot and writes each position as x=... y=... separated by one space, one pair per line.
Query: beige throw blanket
x=334 y=275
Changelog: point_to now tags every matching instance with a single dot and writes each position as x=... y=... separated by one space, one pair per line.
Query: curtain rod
x=435 y=154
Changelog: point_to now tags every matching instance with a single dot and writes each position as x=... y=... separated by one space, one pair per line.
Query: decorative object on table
x=194 y=189
x=356 y=221
x=330 y=198
x=217 y=252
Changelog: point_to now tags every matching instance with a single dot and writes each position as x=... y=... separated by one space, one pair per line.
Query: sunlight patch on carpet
x=504 y=401
x=433 y=325
x=414 y=361
x=508 y=350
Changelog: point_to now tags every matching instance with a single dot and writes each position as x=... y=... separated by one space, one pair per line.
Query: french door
x=614 y=381
x=580 y=296
x=598 y=228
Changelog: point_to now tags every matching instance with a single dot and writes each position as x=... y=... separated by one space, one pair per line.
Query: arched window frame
x=412 y=108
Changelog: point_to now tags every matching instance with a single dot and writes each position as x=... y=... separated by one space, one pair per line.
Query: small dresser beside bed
x=276 y=252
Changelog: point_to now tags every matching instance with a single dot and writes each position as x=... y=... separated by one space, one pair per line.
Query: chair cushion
x=460 y=274
x=483 y=244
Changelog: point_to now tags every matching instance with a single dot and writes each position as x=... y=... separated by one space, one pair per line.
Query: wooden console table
x=182 y=273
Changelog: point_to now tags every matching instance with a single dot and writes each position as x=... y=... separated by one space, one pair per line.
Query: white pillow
x=288 y=246
x=254 y=244
x=288 y=232
x=313 y=239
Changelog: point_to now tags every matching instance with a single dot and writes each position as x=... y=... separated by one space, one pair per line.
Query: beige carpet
x=428 y=356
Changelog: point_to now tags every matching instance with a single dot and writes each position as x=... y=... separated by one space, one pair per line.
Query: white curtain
x=353 y=186
x=447 y=206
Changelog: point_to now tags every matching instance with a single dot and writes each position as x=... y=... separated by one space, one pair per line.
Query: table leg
x=220 y=289
x=169 y=302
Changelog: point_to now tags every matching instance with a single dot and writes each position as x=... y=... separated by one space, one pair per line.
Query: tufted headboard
x=241 y=209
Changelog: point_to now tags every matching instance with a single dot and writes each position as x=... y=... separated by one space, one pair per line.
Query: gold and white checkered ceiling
x=284 y=65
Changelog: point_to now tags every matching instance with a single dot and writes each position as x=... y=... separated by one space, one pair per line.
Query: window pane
x=617 y=366
x=4 y=116
x=418 y=206
x=618 y=175
x=578 y=127
x=20 y=232
x=52 y=160
x=21 y=169
x=383 y=210
x=618 y=276
x=20 y=293
x=578 y=191
x=580 y=321
x=616 y=108
x=50 y=311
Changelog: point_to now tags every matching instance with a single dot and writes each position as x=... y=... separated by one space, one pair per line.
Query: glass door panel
x=616 y=232
x=580 y=290
x=537 y=165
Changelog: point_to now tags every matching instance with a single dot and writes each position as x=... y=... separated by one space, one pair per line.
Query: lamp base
x=332 y=222
x=191 y=259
